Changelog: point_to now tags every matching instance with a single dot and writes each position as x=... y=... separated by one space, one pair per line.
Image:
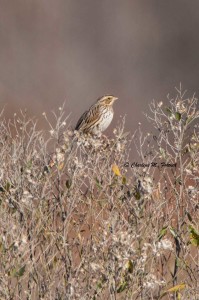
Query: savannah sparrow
x=98 y=117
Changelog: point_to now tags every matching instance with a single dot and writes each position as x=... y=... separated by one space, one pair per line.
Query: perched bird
x=98 y=117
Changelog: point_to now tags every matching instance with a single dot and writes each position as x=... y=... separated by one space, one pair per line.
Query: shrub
x=87 y=222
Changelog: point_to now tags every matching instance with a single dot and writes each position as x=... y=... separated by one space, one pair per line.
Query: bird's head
x=107 y=100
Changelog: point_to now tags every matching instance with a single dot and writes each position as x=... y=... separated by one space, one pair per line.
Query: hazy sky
x=75 y=51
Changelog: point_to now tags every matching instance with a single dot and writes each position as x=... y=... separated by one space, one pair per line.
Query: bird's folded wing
x=81 y=120
x=87 y=120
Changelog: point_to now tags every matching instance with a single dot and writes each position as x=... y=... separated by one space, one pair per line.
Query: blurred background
x=75 y=51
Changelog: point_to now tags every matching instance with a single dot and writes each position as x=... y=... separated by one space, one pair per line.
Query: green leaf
x=137 y=195
x=98 y=183
x=68 y=183
x=162 y=233
x=129 y=266
x=178 y=116
x=173 y=232
x=124 y=180
x=174 y=289
x=122 y=287
x=194 y=236
x=18 y=272
x=21 y=271
x=189 y=216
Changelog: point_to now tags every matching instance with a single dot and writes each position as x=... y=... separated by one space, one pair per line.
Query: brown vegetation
x=82 y=224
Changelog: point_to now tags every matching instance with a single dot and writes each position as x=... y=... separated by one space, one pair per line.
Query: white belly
x=106 y=121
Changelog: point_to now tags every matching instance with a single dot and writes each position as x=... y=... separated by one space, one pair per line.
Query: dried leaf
x=174 y=289
x=116 y=170
x=60 y=166
x=177 y=288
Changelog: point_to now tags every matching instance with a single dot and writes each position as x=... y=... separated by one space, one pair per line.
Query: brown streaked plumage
x=98 y=117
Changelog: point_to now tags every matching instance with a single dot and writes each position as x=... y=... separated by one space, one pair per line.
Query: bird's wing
x=88 y=119
x=81 y=121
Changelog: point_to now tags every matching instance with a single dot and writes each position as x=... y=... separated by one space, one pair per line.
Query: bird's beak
x=115 y=98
